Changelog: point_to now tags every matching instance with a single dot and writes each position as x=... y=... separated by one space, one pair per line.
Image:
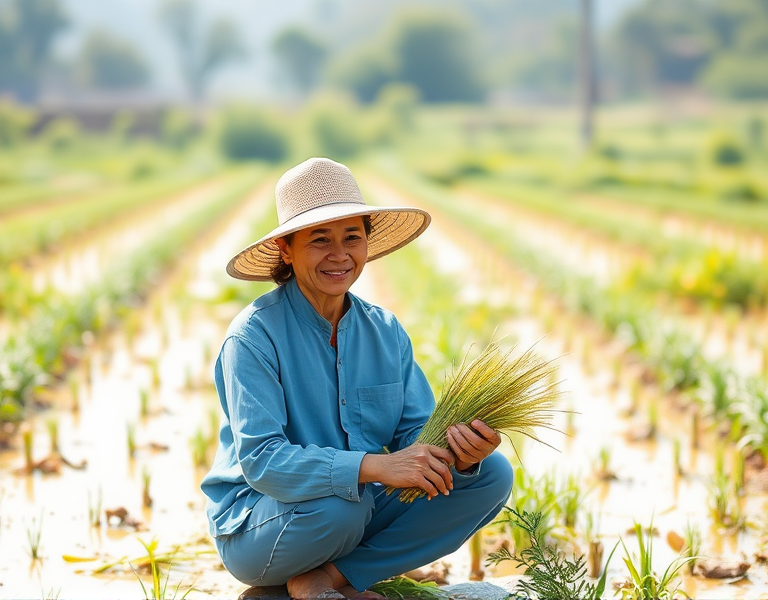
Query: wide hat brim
x=391 y=228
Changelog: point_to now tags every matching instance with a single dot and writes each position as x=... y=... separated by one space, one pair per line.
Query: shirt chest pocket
x=377 y=412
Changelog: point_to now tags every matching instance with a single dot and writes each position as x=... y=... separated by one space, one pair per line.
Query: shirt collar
x=304 y=308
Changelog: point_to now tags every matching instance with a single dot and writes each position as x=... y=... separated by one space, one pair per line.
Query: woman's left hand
x=470 y=447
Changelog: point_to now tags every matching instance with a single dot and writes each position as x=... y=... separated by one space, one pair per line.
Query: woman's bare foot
x=313 y=584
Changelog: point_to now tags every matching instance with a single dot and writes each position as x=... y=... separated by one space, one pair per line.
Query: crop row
x=40 y=347
x=668 y=352
x=685 y=267
x=28 y=234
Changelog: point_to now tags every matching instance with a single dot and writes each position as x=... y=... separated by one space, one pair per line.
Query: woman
x=322 y=402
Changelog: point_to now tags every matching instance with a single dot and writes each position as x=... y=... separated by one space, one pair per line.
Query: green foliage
x=108 y=62
x=15 y=121
x=28 y=30
x=406 y=588
x=646 y=585
x=434 y=52
x=178 y=128
x=549 y=572
x=336 y=126
x=300 y=55
x=62 y=134
x=253 y=134
x=726 y=151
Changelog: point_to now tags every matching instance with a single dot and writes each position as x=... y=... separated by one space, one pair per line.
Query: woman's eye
x=321 y=240
x=353 y=238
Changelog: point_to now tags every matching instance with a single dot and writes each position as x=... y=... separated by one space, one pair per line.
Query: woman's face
x=328 y=258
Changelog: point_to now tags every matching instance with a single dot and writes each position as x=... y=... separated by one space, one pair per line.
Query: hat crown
x=314 y=183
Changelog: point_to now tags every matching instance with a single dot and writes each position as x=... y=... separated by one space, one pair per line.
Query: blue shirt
x=299 y=415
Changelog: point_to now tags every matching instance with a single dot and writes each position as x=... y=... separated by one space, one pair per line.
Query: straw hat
x=320 y=190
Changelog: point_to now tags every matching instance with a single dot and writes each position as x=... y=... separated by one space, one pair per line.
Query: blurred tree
x=660 y=43
x=108 y=62
x=740 y=69
x=364 y=71
x=301 y=57
x=200 y=54
x=434 y=51
x=249 y=133
x=28 y=29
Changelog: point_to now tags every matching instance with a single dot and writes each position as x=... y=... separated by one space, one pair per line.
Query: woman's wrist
x=371 y=468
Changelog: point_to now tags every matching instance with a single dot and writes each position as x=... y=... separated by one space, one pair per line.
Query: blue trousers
x=368 y=541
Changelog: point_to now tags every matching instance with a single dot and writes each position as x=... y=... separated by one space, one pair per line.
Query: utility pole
x=587 y=74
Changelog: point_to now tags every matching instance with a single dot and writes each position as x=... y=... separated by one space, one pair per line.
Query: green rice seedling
x=717 y=389
x=131 y=439
x=144 y=403
x=595 y=547
x=34 y=533
x=737 y=468
x=159 y=589
x=570 y=422
x=406 y=588
x=570 y=499
x=146 y=480
x=676 y=457
x=53 y=433
x=692 y=547
x=199 y=445
x=51 y=594
x=94 y=508
x=646 y=585
x=531 y=494
x=695 y=429
x=154 y=368
x=214 y=424
x=603 y=469
x=28 y=438
x=505 y=392
x=549 y=573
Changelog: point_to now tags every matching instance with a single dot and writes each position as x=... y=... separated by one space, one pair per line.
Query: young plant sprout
x=131 y=439
x=676 y=457
x=508 y=393
x=144 y=403
x=53 y=433
x=146 y=479
x=28 y=438
x=34 y=533
x=199 y=445
x=74 y=391
x=646 y=585
x=94 y=508
x=692 y=547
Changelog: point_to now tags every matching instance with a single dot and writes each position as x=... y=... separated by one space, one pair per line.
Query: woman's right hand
x=420 y=466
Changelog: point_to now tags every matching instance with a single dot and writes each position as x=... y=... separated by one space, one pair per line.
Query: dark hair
x=281 y=273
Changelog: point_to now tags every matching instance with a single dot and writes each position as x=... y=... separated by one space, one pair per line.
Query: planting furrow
x=41 y=345
x=16 y=199
x=39 y=230
x=598 y=434
x=669 y=353
x=141 y=401
x=542 y=238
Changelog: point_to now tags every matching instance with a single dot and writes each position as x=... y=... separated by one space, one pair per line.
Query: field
x=639 y=265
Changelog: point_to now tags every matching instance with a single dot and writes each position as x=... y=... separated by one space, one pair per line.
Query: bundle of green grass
x=507 y=390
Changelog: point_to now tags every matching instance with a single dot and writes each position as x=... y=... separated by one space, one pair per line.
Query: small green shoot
x=53 y=433
x=94 y=508
x=131 y=439
x=146 y=480
x=646 y=585
x=34 y=533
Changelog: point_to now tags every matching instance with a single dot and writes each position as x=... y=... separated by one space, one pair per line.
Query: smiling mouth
x=337 y=273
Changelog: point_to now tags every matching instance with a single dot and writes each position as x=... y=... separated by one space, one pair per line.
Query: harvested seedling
x=508 y=393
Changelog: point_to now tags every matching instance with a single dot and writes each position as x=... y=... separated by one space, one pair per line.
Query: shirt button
x=343 y=400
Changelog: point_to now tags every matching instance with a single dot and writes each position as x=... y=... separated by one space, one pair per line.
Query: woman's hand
x=470 y=447
x=420 y=466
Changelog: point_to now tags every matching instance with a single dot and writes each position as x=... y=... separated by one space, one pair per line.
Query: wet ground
x=156 y=380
